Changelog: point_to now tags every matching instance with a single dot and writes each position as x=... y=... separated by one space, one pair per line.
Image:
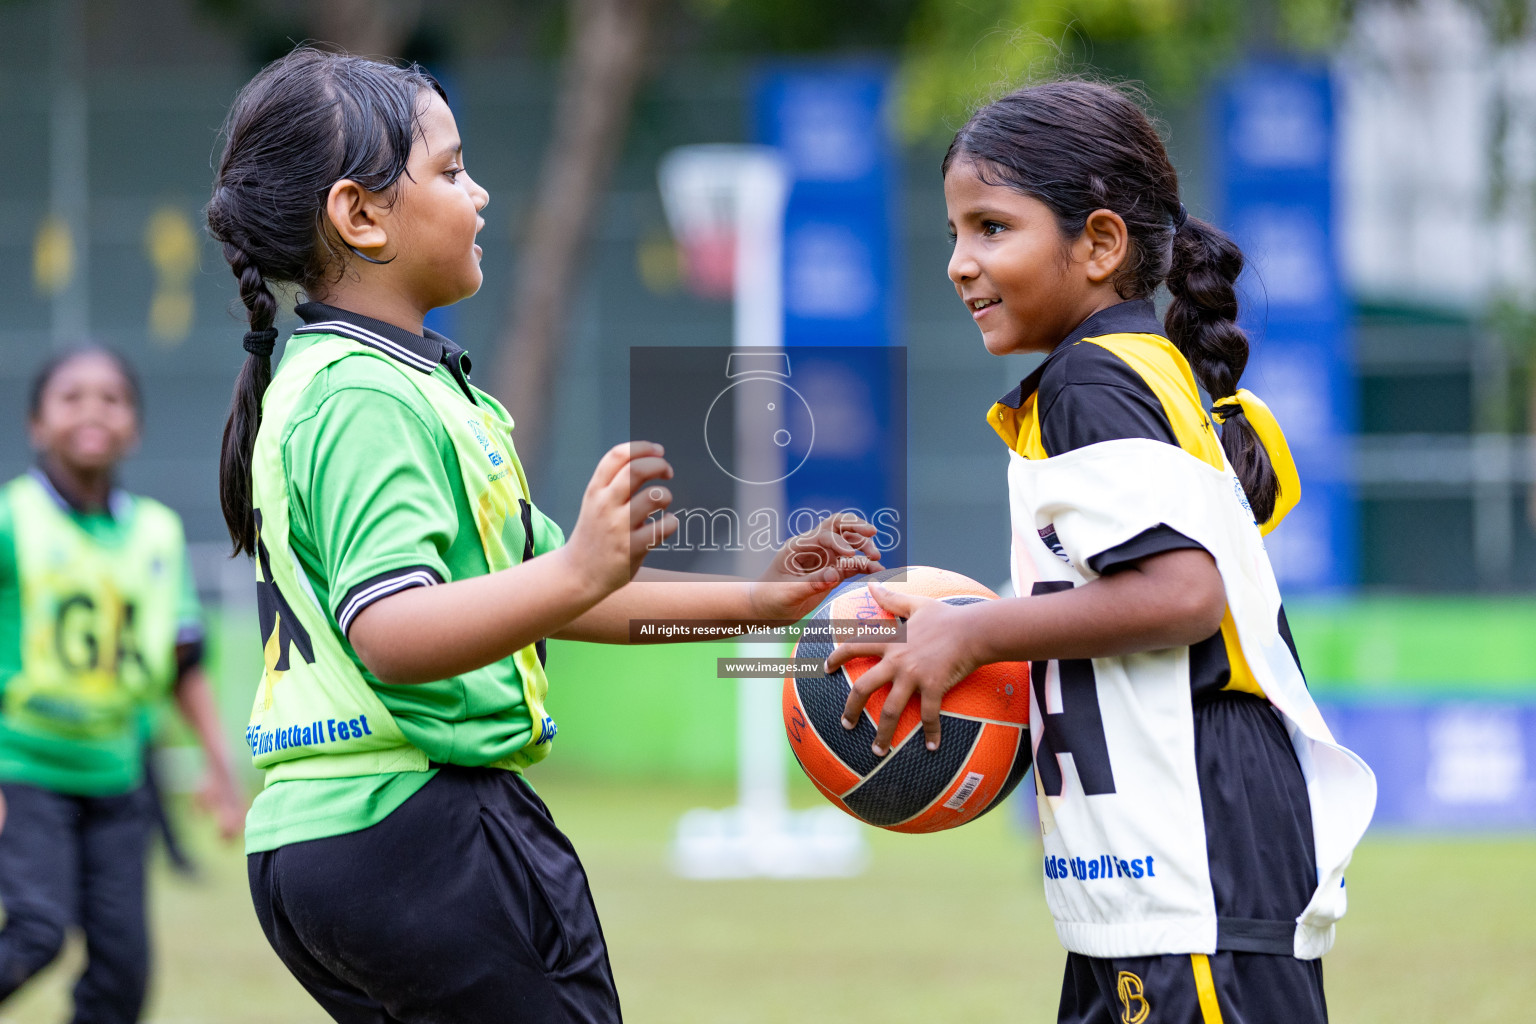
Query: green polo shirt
x=50 y=763
x=377 y=505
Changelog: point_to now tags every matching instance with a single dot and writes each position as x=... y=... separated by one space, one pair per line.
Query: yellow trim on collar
x=1273 y=439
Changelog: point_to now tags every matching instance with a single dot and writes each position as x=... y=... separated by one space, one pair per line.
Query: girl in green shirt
x=399 y=864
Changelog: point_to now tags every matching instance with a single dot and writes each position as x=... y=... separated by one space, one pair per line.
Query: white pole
x=762 y=190
x=759 y=285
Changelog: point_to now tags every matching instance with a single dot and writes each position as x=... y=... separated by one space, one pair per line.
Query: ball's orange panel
x=992 y=759
x=927 y=581
x=819 y=763
x=856 y=603
x=999 y=692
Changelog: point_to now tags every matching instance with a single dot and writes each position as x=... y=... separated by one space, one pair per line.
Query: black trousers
x=465 y=906
x=68 y=860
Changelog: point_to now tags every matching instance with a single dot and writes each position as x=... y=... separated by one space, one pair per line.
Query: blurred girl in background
x=98 y=622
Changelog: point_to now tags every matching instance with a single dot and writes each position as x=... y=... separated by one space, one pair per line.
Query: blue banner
x=1445 y=764
x=1441 y=765
x=1273 y=159
x=830 y=122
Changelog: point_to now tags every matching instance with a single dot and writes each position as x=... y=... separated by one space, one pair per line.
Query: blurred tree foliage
x=963 y=53
x=793 y=26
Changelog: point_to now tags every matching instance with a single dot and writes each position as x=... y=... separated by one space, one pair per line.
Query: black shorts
x=1223 y=988
x=466 y=905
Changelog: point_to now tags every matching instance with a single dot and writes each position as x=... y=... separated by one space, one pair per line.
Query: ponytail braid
x=1202 y=322
x=245 y=404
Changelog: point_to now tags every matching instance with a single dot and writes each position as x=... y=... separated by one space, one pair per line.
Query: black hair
x=63 y=357
x=303 y=123
x=1079 y=146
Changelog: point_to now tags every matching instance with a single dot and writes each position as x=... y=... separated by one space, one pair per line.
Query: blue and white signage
x=830 y=122
x=1274 y=160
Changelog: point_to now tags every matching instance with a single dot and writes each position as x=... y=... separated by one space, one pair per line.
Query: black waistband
x=1218 y=696
x=1251 y=935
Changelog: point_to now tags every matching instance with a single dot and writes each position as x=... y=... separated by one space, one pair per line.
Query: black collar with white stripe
x=424 y=351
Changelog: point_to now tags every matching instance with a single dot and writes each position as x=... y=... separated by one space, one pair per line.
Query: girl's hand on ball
x=811 y=564
x=614 y=530
x=935 y=656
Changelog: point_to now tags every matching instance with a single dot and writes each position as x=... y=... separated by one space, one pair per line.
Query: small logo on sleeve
x=1049 y=539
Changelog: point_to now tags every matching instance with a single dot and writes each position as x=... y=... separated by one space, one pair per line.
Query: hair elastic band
x=260 y=343
x=1180 y=218
x=1232 y=401
x=364 y=256
x=1267 y=428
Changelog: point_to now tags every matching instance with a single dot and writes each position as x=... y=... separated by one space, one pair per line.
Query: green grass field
x=946 y=928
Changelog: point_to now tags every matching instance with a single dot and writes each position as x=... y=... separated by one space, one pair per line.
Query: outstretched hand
x=935 y=656
x=614 y=530
x=811 y=564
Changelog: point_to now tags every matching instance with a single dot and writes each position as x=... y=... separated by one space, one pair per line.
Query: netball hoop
x=725 y=206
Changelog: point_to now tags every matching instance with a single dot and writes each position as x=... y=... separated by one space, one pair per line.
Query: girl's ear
x=1103 y=244
x=357 y=216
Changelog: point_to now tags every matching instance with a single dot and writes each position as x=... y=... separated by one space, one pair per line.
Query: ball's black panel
x=913 y=776
x=883 y=575
x=1021 y=762
x=848 y=584
x=823 y=699
x=809 y=647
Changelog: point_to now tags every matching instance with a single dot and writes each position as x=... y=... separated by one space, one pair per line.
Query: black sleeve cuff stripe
x=1154 y=541
x=381 y=586
x=189 y=655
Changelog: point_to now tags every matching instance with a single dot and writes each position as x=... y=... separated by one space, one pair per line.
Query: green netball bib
x=315 y=716
x=98 y=641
